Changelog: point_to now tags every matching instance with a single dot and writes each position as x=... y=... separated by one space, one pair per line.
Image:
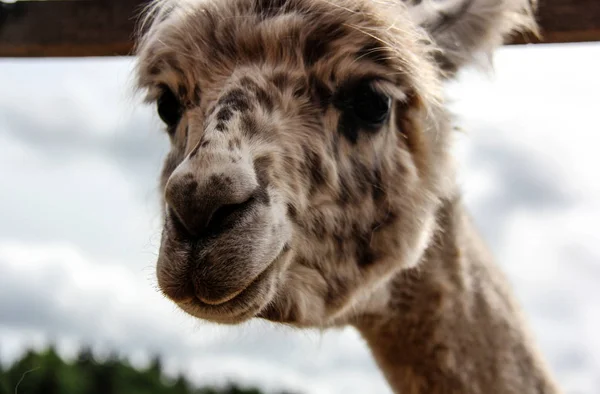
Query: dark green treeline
x=47 y=373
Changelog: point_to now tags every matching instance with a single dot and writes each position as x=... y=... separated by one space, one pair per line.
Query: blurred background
x=80 y=224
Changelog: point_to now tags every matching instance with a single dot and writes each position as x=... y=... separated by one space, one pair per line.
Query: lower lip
x=235 y=295
x=227 y=299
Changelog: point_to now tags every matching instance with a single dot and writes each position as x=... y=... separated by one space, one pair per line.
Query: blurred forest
x=45 y=372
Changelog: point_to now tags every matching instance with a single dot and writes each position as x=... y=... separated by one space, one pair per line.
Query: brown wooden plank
x=67 y=28
x=563 y=21
x=104 y=27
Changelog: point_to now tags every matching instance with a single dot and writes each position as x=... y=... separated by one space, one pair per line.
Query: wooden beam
x=68 y=28
x=564 y=21
x=80 y=28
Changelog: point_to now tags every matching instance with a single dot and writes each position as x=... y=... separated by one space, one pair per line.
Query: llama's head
x=309 y=145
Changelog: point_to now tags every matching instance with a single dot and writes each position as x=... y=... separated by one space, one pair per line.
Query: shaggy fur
x=323 y=222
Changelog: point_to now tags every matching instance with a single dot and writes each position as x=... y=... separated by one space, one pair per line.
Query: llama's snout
x=220 y=233
x=209 y=201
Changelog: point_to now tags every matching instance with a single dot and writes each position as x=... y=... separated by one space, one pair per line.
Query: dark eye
x=169 y=108
x=368 y=105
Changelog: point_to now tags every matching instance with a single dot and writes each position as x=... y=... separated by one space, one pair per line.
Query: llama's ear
x=467 y=31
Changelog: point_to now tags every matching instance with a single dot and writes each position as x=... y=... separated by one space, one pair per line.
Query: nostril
x=178 y=223
x=209 y=205
x=226 y=216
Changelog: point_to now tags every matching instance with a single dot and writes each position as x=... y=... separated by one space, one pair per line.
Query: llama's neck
x=451 y=325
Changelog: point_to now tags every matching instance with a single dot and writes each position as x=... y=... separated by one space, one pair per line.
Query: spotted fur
x=280 y=205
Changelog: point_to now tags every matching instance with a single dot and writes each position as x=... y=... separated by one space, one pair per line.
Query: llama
x=310 y=180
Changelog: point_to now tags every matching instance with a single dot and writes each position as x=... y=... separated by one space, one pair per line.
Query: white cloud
x=530 y=175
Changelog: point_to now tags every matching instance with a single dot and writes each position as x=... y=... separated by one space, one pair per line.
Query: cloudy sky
x=79 y=224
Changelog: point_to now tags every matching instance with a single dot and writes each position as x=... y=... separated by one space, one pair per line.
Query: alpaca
x=310 y=180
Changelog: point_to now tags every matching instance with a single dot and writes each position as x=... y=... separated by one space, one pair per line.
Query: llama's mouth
x=240 y=305
x=228 y=277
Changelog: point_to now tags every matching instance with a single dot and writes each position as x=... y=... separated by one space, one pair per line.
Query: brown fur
x=341 y=225
x=451 y=324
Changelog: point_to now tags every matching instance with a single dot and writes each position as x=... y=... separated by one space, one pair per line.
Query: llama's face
x=308 y=155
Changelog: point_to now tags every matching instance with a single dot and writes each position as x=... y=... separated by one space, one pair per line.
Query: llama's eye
x=369 y=106
x=169 y=108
